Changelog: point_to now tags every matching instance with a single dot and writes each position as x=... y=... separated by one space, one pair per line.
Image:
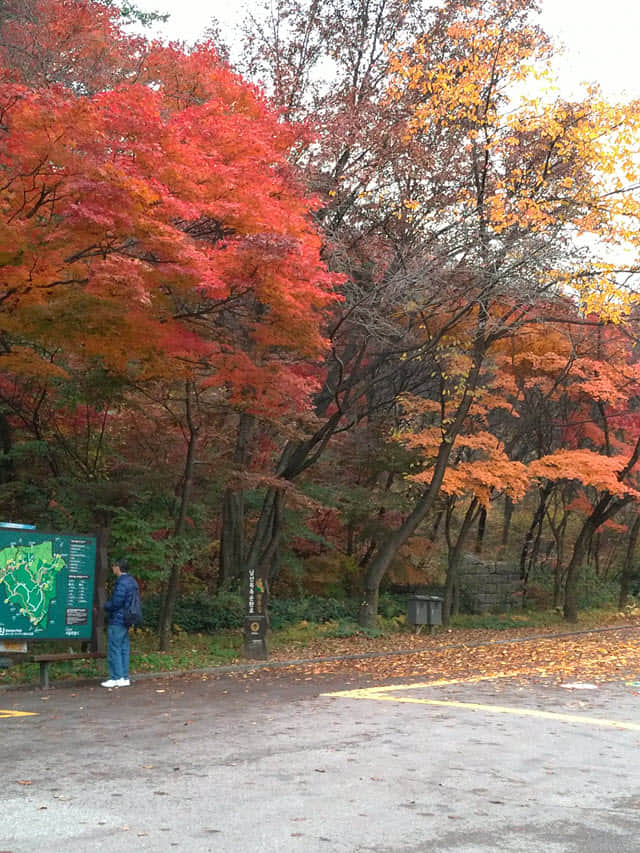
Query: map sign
x=46 y=585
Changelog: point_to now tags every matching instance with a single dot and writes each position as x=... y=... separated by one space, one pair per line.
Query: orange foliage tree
x=150 y=222
x=522 y=179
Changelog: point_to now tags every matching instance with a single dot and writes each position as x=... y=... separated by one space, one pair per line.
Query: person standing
x=117 y=630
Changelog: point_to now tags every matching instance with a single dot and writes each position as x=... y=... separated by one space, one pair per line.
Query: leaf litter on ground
x=572 y=656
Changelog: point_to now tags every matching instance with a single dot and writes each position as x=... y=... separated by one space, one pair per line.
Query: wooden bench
x=46 y=658
x=54 y=657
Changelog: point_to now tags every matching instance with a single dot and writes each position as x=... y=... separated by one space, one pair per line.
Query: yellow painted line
x=418 y=685
x=4 y=713
x=500 y=709
x=381 y=694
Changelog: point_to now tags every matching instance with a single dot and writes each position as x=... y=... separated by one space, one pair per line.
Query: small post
x=256 y=623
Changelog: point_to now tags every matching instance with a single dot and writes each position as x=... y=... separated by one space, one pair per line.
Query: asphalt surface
x=279 y=761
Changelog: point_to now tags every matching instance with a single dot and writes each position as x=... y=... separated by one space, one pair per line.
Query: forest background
x=327 y=321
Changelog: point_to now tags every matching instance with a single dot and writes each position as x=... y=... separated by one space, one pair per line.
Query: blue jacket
x=114 y=607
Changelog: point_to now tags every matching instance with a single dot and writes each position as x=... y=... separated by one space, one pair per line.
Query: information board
x=46 y=585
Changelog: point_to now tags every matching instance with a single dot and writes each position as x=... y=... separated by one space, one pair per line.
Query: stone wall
x=488 y=585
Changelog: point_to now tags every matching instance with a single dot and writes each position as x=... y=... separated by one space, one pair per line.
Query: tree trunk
x=558 y=572
x=384 y=557
x=259 y=564
x=295 y=458
x=536 y=524
x=259 y=568
x=454 y=556
x=378 y=567
x=6 y=464
x=534 y=553
x=440 y=514
x=506 y=523
x=580 y=548
x=232 y=538
x=482 y=529
x=98 y=643
x=173 y=581
x=536 y=521
x=596 y=551
x=559 y=531
x=605 y=509
x=629 y=563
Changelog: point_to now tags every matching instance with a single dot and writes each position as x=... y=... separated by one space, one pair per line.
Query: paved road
x=271 y=762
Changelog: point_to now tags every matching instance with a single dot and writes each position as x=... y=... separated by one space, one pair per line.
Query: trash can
x=424 y=610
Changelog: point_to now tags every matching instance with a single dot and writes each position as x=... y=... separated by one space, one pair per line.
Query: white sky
x=600 y=36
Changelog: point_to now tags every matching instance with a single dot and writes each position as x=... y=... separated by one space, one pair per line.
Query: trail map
x=46 y=585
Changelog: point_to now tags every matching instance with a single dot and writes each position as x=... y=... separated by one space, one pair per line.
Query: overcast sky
x=600 y=36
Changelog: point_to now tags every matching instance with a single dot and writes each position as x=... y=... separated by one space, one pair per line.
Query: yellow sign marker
x=4 y=713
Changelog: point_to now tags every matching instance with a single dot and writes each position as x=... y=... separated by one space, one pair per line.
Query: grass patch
x=506 y=621
x=304 y=633
x=552 y=619
x=186 y=651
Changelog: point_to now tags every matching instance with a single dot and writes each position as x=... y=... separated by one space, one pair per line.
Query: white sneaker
x=123 y=682
x=110 y=683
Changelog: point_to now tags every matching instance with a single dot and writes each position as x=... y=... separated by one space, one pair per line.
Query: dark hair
x=123 y=563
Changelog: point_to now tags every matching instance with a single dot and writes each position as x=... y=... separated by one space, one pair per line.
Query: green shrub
x=391 y=605
x=198 y=612
x=311 y=608
x=594 y=591
x=349 y=628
